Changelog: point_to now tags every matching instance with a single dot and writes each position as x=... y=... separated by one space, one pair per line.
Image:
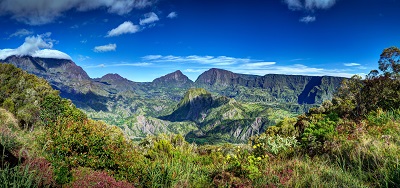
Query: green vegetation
x=351 y=141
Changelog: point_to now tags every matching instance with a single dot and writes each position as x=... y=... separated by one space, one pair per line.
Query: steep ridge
x=195 y=103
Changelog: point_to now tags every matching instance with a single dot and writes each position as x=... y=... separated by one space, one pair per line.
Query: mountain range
x=229 y=106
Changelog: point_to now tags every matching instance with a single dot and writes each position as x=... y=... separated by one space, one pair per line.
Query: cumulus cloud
x=149 y=18
x=21 y=33
x=172 y=15
x=41 y=12
x=351 y=64
x=105 y=48
x=124 y=28
x=307 y=19
x=35 y=46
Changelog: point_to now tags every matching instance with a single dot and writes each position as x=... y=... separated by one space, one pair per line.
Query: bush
x=84 y=177
x=275 y=145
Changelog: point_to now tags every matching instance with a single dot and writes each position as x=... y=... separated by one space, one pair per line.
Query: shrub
x=43 y=170
x=84 y=177
x=276 y=145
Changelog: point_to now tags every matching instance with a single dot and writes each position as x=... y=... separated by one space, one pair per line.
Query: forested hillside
x=350 y=141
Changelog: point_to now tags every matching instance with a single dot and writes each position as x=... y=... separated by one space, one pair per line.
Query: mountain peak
x=216 y=76
x=176 y=78
x=112 y=76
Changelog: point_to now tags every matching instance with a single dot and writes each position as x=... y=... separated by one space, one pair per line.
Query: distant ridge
x=74 y=83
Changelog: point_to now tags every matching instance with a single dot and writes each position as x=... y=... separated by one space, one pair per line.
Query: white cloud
x=124 y=28
x=307 y=19
x=149 y=18
x=39 y=46
x=199 y=64
x=83 y=58
x=105 y=48
x=258 y=64
x=294 y=4
x=319 y=4
x=309 y=4
x=152 y=57
x=194 y=70
x=172 y=15
x=209 y=60
x=123 y=64
x=351 y=64
x=296 y=69
x=41 y=12
x=21 y=33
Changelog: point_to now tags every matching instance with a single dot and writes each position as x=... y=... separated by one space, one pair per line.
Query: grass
x=17 y=177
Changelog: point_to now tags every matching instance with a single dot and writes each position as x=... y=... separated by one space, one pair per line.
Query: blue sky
x=145 y=39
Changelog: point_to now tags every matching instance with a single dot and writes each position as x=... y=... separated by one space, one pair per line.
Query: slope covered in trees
x=351 y=141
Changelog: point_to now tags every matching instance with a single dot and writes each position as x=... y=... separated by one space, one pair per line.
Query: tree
x=389 y=62
x=347 y=99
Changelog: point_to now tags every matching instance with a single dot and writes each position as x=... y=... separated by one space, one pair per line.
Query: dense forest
x=349 y=141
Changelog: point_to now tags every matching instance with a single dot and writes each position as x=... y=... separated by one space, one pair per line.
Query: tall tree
x=389 y=62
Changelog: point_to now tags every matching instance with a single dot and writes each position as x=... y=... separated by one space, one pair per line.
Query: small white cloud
x=194 y=70
x=149 y=18
x=83 y=58
x=123 y=64
x=258 y=64
x=309 y=4
x=76 y=26
x=131 y=64
x=21 y=33
x=38 y=46
x=124 y=28
x=319 y=4
x=152 y=57
x=307 y=19
x=83 y=41
x=172 y=15
x=294 y=4
x=105 y=48
x=351 y=64
x=48 y=53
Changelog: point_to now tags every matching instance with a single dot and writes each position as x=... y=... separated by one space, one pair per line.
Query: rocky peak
x=217 y=77
x=176 y=78
x=48 y=67
x=113 y=77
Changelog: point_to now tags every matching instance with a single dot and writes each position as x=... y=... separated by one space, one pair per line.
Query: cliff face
x=281 y=88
